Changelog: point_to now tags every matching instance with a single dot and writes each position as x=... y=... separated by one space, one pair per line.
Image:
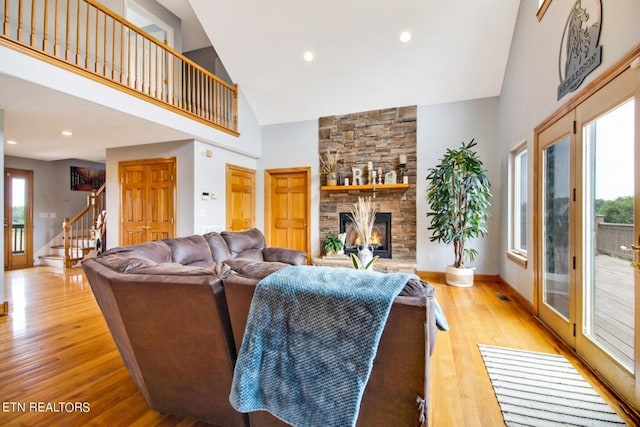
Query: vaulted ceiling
x=458 y=50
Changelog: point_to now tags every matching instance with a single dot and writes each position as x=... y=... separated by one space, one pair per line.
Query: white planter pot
x=459 y=277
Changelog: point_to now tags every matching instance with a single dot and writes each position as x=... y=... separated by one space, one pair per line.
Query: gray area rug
x=538 y=389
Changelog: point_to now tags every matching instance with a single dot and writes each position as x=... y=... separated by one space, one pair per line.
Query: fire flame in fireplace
x=375 y=240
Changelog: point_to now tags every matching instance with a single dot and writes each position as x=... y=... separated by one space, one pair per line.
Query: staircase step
x=56 y=260
x=52 y=260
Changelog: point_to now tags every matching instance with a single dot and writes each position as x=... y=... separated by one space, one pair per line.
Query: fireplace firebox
x=380 y=235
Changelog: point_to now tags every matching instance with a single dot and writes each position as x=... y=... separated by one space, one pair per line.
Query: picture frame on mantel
x=391 y=177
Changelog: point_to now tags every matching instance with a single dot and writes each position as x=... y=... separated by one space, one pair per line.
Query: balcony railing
x=88 y=38
x=17 y=239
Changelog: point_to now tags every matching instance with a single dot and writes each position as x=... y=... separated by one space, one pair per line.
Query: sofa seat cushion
x=188 y=250
x=207 y=263
x=286 y=255
x=252 y=269
x=417 y=288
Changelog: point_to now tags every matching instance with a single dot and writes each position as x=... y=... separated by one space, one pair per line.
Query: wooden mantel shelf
x=371 y=187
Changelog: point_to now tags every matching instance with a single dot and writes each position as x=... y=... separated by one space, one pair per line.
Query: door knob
x=635 y=250
x=630 y=248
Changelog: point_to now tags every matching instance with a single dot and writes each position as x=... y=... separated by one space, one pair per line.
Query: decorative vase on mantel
x=365 y=254
x=332 y=178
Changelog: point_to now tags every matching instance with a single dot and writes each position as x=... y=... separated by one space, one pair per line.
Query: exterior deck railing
x=611 y=238
x=86 y=37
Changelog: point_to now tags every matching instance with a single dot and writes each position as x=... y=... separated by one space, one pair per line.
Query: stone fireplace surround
x=379 y=136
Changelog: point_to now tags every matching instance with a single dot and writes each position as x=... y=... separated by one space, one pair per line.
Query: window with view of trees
x=617 y=211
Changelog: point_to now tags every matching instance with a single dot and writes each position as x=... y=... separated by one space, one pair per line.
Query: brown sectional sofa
x=177 y=309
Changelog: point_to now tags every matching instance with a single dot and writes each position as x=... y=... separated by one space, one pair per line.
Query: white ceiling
x=35 y=116
x=458 y=51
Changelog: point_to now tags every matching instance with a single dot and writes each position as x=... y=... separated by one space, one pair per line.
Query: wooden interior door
x=161 y=190
x=147 y=200
x=288 y=208
x=241 y=198
x=18 y=218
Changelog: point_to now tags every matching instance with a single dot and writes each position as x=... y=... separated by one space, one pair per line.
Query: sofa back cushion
x=125 y=262
x=187 y=250
x=155 y=251
x=245 y=244
x=219 y=249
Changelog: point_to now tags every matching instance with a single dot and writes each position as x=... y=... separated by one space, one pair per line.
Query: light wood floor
x=55 y=347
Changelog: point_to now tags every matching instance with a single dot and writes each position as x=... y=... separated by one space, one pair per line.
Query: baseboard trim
x=438 y=276
x=507 y=289
x=4 y=309
x=513 y=293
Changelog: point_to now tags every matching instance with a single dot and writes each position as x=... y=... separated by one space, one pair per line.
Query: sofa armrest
x=289 y=256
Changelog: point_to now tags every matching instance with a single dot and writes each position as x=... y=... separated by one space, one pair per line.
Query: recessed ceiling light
x=11 y=141
x=405 y=36
x=308 y=56
x=66 y=133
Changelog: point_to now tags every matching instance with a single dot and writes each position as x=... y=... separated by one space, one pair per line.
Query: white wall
x=293 y=145
x=196 y=174
x=158 y=11
x=209 y=177
x=445 y=126
x=529 y=94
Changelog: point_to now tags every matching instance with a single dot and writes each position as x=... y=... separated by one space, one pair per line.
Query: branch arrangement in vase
x=363 y=216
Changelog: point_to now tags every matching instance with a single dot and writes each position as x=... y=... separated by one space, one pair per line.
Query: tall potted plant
x=459 y=195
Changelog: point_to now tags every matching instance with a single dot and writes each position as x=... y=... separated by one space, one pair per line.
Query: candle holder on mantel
x=403 y=168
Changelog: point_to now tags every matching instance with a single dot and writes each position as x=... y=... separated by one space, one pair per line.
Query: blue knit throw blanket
x=311 y=337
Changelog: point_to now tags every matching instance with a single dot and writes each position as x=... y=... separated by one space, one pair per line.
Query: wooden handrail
x=91 y=203
x=92 y=40
x=169 y=49
x=81 y=229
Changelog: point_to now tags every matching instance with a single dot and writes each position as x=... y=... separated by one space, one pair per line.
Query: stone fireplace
x=381 y=241
x=380 y=137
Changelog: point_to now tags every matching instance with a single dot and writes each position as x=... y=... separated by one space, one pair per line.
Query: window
x=543 y=5
x=518 y=203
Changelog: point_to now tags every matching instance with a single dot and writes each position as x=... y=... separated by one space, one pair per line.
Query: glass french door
x=588 y=234
x=555 y=236
x=608 y=223
x=18 y=218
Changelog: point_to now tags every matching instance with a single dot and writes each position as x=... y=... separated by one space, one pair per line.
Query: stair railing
x=87 y=38
x=81 y=232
